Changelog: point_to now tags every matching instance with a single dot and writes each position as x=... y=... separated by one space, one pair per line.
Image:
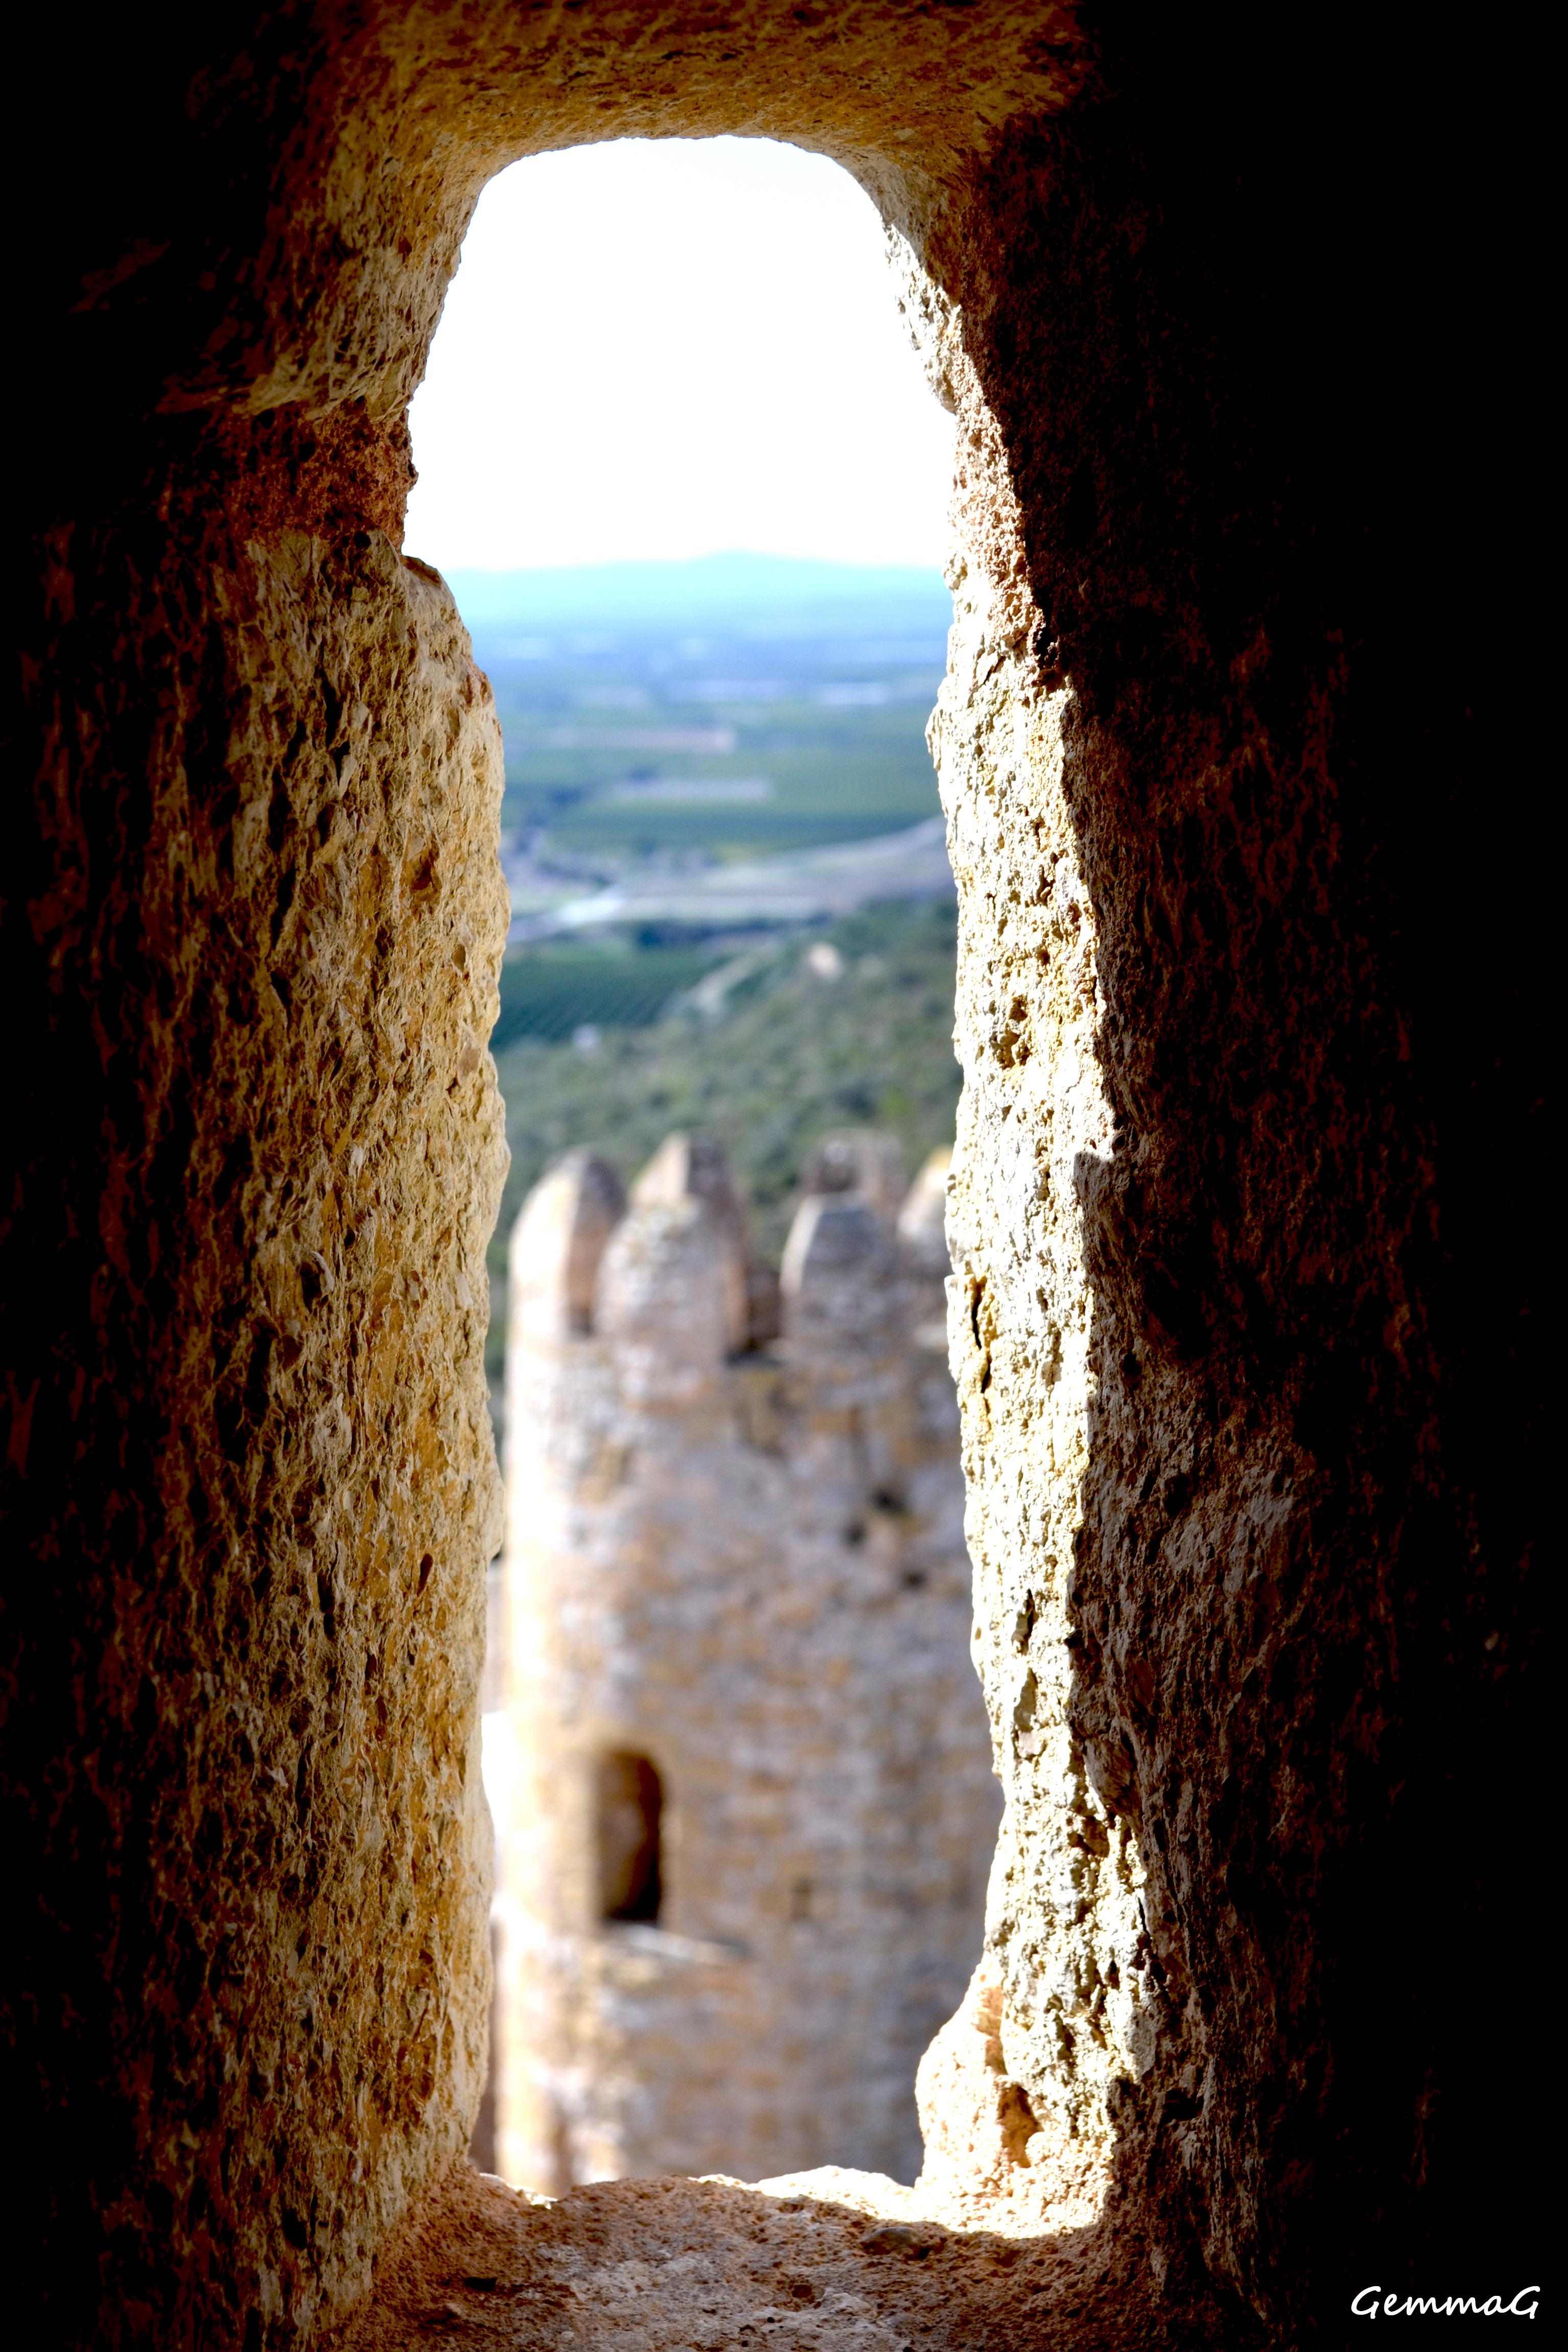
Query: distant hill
x=733 y=591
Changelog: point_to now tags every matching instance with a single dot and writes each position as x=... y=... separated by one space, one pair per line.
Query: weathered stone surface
x=746 y=1569
x=274 y=1626
x=1245 y=1208
x=1209 y=1438
x=834 y=2259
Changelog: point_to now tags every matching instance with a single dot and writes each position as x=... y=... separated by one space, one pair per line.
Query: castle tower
x=743 y=1879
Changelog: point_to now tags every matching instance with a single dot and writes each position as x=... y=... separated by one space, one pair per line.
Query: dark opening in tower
x=630 y=1809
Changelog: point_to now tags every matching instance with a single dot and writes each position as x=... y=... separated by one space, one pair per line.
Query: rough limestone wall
x=1224 y=1437
x=1066 y=1949
x=749 y=1568
x=262 y=1871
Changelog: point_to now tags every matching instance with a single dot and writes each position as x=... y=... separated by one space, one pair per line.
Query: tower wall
x=747 y=1567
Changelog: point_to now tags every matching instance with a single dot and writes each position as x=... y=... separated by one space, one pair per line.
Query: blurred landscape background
x=732 y=906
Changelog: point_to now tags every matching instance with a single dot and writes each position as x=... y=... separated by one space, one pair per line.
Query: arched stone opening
x=1250 y=1497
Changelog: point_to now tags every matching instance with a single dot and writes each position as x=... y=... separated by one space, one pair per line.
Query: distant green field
x=828 y=784
x=552 y=991
x=725 y=833
x=790 y=1057
x=831 y=714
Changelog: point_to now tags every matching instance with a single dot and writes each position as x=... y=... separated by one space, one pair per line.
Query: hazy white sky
x=668 y=347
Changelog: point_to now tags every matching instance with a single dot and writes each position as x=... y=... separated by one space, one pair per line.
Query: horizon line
x=712 y=555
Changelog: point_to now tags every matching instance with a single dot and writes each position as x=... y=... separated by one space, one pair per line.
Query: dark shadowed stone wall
x=1246 y=1214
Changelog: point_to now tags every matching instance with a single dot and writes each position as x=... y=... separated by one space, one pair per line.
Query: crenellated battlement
x=674 y=1257
x=557 y=1247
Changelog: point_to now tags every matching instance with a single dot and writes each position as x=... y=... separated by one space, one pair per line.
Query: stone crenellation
x=741 y=1873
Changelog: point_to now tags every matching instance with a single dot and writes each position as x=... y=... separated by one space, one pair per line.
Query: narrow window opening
x=630 y=1838
x=686 y=483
